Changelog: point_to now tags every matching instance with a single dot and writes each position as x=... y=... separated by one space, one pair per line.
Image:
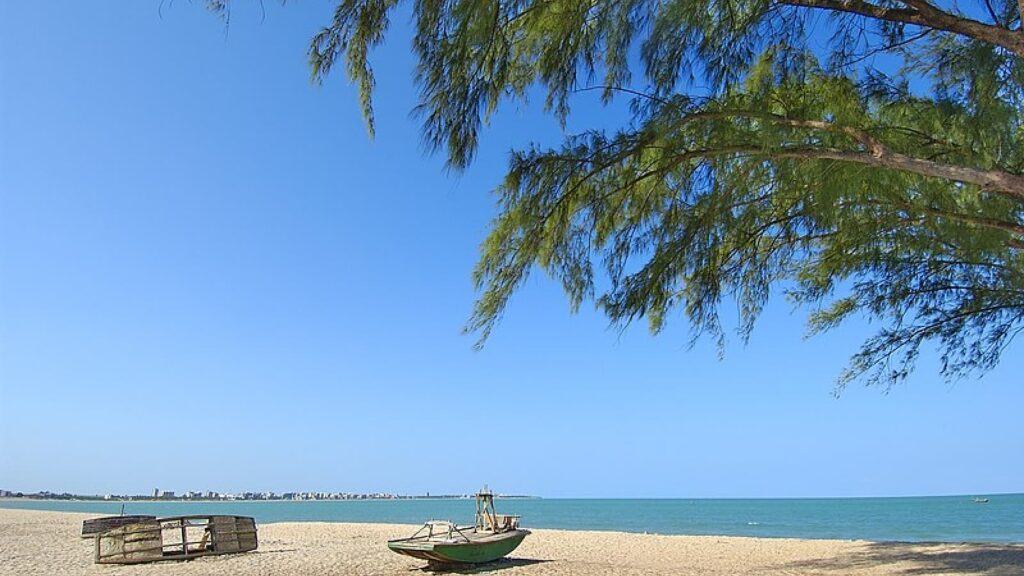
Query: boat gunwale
x=403 y=545
x=483 y=538
x=92 y=527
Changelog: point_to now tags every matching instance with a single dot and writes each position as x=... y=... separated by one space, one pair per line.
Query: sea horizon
x=948 y=518
x=96 y=497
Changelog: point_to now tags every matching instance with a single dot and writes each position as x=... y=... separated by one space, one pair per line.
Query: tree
x=866 y=157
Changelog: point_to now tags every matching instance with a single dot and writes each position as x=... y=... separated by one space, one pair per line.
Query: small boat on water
x=176 y=538
x=492 y=536
x=979 y=500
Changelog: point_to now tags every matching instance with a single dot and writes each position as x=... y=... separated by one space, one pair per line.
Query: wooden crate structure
x=177 y=538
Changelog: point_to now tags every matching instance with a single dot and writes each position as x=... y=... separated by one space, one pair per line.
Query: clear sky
x=210 y=279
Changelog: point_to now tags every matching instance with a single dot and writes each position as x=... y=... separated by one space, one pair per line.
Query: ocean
x=921 y=519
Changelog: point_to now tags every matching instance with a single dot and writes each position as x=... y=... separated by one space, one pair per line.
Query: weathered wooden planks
x=233 y=533
x=130 y=544
x=176 y=538
x=94 y=526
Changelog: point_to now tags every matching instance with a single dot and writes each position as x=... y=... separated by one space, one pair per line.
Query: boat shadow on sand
x=500 y=564
x=924 y=558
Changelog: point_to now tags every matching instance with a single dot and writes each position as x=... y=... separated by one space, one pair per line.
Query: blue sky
x=205 y=264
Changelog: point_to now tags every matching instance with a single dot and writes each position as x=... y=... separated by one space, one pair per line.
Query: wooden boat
x=176 y=538
x=492 y=536
x=94 y=526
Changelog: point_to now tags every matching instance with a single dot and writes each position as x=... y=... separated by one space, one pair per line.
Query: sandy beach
x=44 y=543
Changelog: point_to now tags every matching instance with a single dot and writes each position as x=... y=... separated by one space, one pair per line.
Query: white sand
x=47 y=543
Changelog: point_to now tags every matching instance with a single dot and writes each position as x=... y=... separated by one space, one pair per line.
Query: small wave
x=753 y=523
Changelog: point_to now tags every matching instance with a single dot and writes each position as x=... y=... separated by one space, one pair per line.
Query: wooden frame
x=176 y=538
x=94 y=526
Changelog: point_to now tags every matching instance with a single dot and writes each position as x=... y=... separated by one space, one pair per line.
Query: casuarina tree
x=864 y=157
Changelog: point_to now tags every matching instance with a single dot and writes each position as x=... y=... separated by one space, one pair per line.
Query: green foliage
x=892 y=191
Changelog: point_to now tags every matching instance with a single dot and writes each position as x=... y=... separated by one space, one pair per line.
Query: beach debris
x=176 y=538
x=94 y=526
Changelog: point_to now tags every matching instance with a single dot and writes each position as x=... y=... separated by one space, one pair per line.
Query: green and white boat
x=492 y=536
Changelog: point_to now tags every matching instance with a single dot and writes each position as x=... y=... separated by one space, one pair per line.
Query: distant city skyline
x=210 y=276
x=159 y=494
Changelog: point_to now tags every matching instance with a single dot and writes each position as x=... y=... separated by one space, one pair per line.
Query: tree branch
x=919 y=5
x=926 y=15
x=1015 y=241
x=1003 y=183
x=993 y=223
x=858 y=134
x=881 y=49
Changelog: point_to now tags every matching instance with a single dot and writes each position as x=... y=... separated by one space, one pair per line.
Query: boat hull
x=476 y=551
x=176 y=538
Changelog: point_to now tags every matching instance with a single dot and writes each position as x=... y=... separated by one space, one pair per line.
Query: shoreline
x=496 y=497
x=94 y=508
x=48 y=542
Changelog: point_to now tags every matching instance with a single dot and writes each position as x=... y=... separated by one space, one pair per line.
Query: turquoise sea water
x=945 y=518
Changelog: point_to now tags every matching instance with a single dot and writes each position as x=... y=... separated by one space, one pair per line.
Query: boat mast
x=486 y=518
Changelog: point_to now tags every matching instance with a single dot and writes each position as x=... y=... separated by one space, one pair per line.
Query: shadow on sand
x=502 y=564
x=924 y=558
x=276 y=551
